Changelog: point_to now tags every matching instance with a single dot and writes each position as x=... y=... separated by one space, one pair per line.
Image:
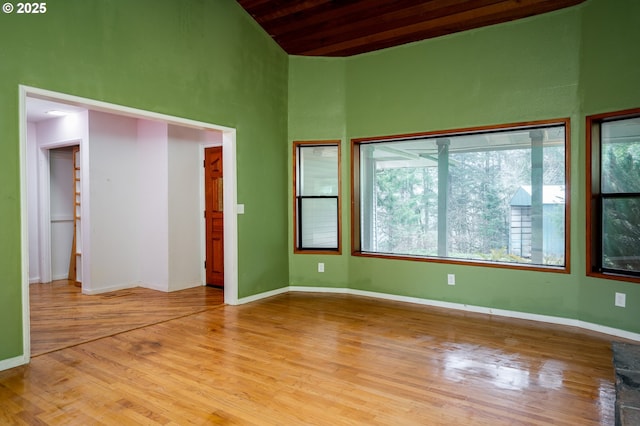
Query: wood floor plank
x=318 y=359
x=62 y=316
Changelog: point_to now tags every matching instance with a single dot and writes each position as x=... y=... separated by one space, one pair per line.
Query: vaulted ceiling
x=351 y=27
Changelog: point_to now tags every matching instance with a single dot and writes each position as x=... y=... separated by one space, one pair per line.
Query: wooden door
x=214 y=264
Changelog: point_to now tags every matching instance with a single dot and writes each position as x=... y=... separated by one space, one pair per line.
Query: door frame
x=229 y=196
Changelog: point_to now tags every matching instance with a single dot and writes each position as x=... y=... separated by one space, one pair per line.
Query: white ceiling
x=37 y=109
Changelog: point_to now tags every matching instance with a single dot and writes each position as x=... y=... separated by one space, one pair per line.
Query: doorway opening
x=107 y=213
x=64 y=208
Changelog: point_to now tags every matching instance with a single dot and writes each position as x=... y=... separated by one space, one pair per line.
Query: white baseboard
x=91 y=292
x=264 y=295
x=334 y=290
x=458 y=306
x=171 y=287
x=469 y=308
x=6 y=364
x=156 y=287
x=609 y=330
x=184 y=285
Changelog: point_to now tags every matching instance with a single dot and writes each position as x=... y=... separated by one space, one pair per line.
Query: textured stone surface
x=626 y=356
x=629 y=416
x=627 y=397
x=626 y=362
x=629 y=378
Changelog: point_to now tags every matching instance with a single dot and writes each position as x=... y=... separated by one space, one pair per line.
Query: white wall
x=146 y=208
x=114 y=194
x=32 y=204
x=41 y=137
x=186 y=257
x=153 y=213
x=62 y=131
x=142 y=204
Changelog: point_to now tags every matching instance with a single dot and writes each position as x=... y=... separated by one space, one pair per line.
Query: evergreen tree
x=621 y=215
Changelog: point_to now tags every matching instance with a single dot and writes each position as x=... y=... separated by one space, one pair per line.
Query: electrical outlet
x=451 y=279
x=621 y=300
x=320 y=267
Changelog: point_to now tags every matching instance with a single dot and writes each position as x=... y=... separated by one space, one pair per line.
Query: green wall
x=609 y=80
x=567 y=63
x=317 y=97
x=205 y=60
x=520 y=71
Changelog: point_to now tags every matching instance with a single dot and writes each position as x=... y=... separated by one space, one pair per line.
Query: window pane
x=318 y=170
x=319 y=223
x=496 y=196
x=621 y=234
x=621 y=156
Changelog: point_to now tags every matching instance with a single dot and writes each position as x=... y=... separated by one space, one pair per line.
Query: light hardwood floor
x=303 y=358
x=61 y=316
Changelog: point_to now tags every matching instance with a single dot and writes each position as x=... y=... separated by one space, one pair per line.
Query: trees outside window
x=614 y=184
x=317 y=196
x=464 y=195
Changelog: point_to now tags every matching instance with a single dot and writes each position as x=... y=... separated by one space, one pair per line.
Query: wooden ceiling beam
x=330 y=16
x=287 y=10
x=349 y=27
x=330 y=32
x=489 y=15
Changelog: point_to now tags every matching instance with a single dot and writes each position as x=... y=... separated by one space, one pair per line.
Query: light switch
x=240 y=209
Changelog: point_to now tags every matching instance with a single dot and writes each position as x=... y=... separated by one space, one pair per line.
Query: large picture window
x=317 y=196
x=492 y=195
x=614 y=186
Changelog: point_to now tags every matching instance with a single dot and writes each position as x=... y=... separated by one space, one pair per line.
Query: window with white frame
x=613 y=215
x=317 y=196
x=492 y=195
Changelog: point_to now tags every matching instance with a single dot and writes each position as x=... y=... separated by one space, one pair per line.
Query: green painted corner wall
x=317 y=110
x=515 y=72
x=568 y=63
x=198 y=59
x=609 y=70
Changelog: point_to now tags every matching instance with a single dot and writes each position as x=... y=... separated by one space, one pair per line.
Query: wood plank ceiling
x=351 y=27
